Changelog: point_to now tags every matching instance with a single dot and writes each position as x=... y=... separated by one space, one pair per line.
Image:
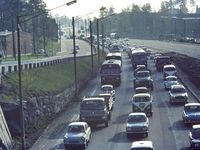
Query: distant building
x=197 y=10
x=6 y=43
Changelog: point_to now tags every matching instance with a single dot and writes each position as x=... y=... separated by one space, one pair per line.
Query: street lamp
x=74 y=51
x=20 y=69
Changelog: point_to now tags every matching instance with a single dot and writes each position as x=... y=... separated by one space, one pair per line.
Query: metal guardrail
x=4 y=132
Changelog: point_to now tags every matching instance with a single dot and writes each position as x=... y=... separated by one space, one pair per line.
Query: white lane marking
x=75 y=117
x=94 y=90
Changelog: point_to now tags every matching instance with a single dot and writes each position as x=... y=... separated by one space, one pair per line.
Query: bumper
x=94 y=120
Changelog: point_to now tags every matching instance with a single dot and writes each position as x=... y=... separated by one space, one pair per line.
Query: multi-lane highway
x=168 y=46
x=167 y=130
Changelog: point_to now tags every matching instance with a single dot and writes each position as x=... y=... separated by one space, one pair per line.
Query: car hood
x=178 y=94
x=74 y=135
x=142 y=124
x=171 y=82
x=193 y=114
x=143 y=78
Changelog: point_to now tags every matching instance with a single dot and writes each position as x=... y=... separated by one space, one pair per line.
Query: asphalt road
x=189 y=49
x=166 y=128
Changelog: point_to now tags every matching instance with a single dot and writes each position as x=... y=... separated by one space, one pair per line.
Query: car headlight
x=144 y=128
x=128 y=128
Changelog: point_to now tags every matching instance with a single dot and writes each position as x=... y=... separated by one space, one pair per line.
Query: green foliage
x=53 y=79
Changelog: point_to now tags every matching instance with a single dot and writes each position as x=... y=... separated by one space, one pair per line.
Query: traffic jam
x=98 y=109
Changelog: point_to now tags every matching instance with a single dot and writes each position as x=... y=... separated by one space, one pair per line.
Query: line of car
x=178 y=94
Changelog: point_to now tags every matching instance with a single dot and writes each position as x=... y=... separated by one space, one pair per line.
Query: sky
x=89 y=8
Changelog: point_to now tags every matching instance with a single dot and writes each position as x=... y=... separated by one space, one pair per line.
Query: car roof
x=136 y=113
x=77 y=123
x=107 y=85
x=177 y=86
x=142 y=144
x=196 y=126
x=93 y=98
x=171 y=65
x=171 y=77
x=105 y=94
x=143 y=71
x=114 y=54
x=141 y=88
x=192 y=104
x=141 y=95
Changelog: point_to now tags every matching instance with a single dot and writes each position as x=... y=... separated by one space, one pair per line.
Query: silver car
x=78 y=135
x=137 y=123
x=169 y=81
x=142 y=145
x=178 y=94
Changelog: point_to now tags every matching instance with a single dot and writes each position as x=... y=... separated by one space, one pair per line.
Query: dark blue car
x=191 y=113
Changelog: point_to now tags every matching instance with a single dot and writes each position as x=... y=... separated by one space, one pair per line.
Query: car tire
x=66 y=147
x=106 y=124
x=109 y=116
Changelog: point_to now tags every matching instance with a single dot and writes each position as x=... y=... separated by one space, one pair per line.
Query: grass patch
x=53 y=79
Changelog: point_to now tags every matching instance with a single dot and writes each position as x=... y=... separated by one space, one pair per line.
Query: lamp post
x=20 y=70
x=98 y=41
x=91 y=46
x=74 y=51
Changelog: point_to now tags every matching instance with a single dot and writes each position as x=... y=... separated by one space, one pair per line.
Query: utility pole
x=98 y=41
x=91 y=46
x=74 y=51
x=20 y=85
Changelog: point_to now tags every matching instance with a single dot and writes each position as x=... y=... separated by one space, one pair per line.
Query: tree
x=135 y=8
x=146 y=7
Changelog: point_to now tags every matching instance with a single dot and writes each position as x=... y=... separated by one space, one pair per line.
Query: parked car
x=142 y=102
x=178 y=94
x=108 y=89
x=137 y=123
x=78 y=135
x=191 y=113
x=142 y=145
x=169 y=70
x=194 y=137
x=143 y=78
x=169 y=81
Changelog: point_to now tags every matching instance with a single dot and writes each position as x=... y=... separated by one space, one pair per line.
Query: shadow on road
x=59 y=130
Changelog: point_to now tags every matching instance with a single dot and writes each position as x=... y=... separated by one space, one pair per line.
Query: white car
x=108 y=89
x=178 y=94
x=169 y=70
x=142 y=145
x=78 y=135
x=137 y=123
x=169 y=81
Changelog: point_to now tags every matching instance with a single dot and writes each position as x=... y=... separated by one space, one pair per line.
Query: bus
x=114 y=35
x=116 y=56
x=138 y=57
x=111 y=72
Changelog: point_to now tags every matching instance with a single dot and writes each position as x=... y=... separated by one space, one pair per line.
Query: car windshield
x=192 y=108
x=142 y=99
x=143 y=74
x=171 y=79
x=75 y=129
x=136 y=119
x=106 y=89
x=178 y=90
x=93 y=105
x=169 y=69
x=196 y=133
